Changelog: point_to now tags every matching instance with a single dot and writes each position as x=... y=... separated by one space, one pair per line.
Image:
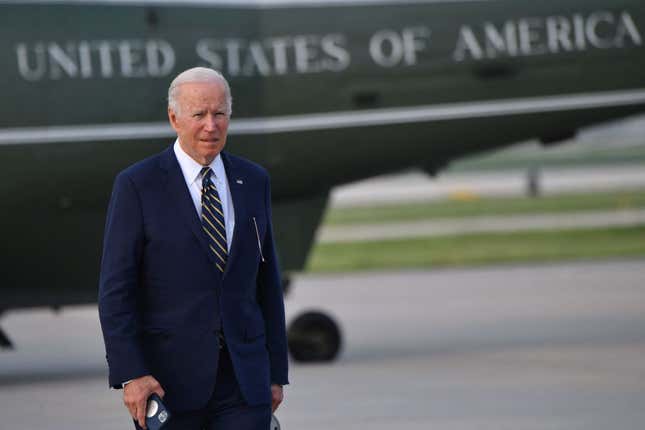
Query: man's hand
x=276 y=396
x=135 y=396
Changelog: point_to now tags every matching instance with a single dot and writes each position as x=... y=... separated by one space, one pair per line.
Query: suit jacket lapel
x=181 y=196
x=233 y=175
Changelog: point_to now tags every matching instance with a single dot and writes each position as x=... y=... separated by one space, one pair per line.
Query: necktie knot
x=205 y=173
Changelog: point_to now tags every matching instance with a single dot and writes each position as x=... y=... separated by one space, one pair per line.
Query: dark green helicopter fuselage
x=323 y=95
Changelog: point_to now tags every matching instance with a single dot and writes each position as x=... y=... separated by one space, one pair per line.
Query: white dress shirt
x=191 y=169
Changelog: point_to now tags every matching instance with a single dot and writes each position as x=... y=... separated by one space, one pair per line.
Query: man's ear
x=172 y=117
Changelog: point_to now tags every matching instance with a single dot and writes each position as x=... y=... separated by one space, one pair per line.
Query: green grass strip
x=487 y=206
x=479 y=249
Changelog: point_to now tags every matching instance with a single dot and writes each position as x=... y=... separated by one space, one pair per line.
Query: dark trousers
x=226 y=409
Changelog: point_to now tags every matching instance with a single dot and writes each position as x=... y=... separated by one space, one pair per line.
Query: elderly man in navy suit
x=190 y=298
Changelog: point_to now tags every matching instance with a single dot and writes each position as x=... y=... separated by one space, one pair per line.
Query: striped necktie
x=213 y=219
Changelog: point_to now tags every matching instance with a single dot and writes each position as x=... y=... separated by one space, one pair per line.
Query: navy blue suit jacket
x=162 y=300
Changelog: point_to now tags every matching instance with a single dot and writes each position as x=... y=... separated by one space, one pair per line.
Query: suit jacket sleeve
x=119 y=283
x=271 y=301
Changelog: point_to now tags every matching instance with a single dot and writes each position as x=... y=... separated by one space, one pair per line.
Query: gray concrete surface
x=508 y=347
x=415 y=186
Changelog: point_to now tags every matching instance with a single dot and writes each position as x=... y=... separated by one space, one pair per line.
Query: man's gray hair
x=198 y=74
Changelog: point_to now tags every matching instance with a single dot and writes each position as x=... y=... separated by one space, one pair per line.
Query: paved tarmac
x=508 y=347
x=415 y=186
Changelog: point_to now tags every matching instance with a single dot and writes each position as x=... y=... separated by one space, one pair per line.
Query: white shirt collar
x=191 y=168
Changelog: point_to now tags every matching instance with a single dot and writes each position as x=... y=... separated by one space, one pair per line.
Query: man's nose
x=210 y=123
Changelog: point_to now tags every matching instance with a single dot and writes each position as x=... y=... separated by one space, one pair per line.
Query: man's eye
x=198 y=115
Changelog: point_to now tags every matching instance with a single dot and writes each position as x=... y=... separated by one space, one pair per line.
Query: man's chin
x=210 y=153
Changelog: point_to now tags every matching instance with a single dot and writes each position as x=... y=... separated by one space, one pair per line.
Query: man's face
x=201 y=122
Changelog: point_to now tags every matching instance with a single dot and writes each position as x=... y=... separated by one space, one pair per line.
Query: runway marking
x=333 y=120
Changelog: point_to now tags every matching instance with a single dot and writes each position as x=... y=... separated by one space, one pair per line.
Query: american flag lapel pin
x=239 y=181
